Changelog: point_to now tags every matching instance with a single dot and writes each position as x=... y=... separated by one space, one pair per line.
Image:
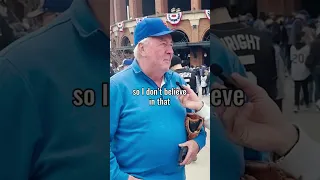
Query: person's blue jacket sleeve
x=115 y=111
x=201 y=138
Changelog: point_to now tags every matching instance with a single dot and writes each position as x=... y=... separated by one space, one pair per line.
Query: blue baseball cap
x=150 y=27
x=54 y=6
x=127 y=62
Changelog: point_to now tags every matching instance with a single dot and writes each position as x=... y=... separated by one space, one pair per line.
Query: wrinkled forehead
x=166 y=38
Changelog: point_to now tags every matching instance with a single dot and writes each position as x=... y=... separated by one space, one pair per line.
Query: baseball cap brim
x=162 y=33
x=35 y=13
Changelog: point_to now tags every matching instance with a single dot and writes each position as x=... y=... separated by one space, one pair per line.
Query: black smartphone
x=183 y=153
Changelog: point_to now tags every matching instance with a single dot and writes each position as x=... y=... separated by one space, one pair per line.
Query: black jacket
x=313 y=60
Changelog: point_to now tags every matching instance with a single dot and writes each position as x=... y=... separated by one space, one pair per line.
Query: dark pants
x=204 y=90
x=316 y=78
x=288 y=60
x=297 y=87
x=279 y=103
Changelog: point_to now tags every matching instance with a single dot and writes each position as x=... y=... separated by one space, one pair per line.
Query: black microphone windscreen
x=216 y=69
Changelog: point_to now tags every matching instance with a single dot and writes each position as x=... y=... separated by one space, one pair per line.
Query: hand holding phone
x=183 y=153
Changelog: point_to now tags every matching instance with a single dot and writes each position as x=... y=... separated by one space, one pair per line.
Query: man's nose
x=170 y=50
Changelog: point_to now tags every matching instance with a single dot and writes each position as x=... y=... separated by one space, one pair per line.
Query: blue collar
x=88 y=27
x=137 y=69
x=84 y=20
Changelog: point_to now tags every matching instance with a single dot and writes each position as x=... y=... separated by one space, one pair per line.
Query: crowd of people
x=296 y=40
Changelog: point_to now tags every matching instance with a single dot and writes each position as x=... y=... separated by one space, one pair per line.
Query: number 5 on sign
x=249 y=60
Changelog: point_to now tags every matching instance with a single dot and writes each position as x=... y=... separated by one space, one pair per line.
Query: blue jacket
x=144 y=138
x=227 y=159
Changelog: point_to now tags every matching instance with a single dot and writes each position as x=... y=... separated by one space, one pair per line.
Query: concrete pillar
x=161 y=6
x=194 y=30
x=195 y=5
x=112 y=20
x=135 y=8
x=120 y=10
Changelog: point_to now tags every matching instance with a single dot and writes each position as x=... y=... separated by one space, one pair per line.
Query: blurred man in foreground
x=47 y=128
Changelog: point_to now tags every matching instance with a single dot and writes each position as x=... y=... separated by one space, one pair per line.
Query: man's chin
x=166 y=68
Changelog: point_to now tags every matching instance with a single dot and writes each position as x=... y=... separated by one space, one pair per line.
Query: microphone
x=217 y=70
x=178 y=84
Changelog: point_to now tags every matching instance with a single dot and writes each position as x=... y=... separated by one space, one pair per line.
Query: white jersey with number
x=299 y=70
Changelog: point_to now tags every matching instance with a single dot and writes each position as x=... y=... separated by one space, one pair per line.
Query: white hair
x=136 y=52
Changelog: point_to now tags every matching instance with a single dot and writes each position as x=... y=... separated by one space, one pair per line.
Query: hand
x=191 y=100
x=247 y=177
x=132 y=178
x=259 y=124
x=193 y=149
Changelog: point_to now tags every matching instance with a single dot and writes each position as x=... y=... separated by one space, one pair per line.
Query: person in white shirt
x=260 y=125
x=204 y=84
x=299 y=72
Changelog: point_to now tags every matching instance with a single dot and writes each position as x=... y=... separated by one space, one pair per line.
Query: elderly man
x=43 y=135
x=145 y=135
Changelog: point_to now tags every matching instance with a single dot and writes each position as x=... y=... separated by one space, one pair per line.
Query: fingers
x=228 y=117
x=188 y=89
x=232 y=113
x=247 y=177
x=217 y=86
x=248 y=87
x=246 y=110
x=183 y=99
x=239 y=133
x=132 y=178
x=220 y=109
x=191 y=93
x=190 y=155
x=188 y=159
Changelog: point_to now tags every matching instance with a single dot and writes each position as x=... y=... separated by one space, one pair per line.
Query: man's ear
x=142 y=49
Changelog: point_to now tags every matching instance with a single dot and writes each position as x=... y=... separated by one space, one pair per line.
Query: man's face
x=101 y=9
x=159 y=52
x=48 y=17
